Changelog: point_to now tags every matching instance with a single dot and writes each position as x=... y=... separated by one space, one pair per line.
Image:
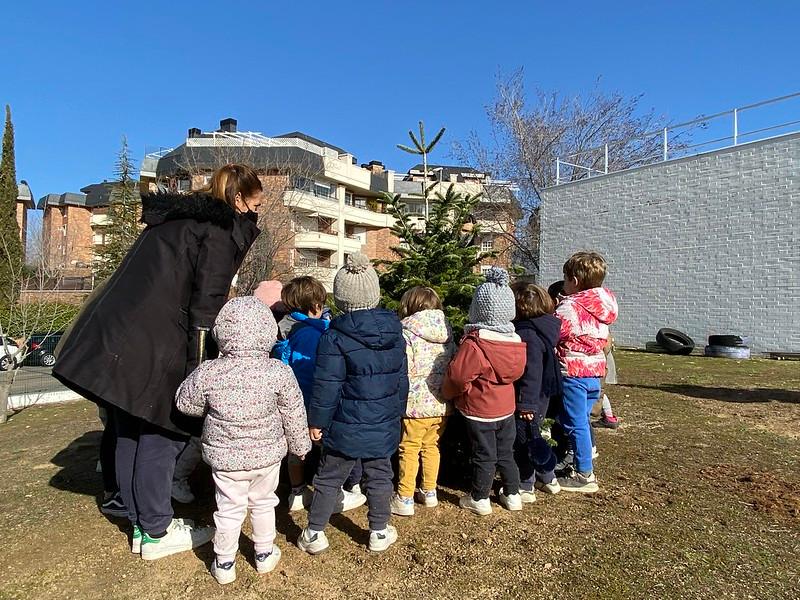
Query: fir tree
x=123 y=217
x=11 y=255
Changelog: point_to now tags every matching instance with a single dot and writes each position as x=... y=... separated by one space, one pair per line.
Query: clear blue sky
x=79 y=75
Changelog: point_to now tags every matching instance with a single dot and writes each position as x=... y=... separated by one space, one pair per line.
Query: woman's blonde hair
x=417 y=299
x=230 y=180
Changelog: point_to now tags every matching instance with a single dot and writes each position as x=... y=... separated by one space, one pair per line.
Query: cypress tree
x=10 y=242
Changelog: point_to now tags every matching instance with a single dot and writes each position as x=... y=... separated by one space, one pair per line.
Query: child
x=586 y=312
x=299 y=332
x=481 y=380
x=607 y=418
x=539 y=329
x=360 y=391
x=253 y=411
x=429 y=348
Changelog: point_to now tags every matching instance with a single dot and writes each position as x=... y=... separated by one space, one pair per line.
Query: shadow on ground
x=742 y=396
x=78 y=462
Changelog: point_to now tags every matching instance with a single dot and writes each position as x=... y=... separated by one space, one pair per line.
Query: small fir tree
x=124 y=212
x=11 y=255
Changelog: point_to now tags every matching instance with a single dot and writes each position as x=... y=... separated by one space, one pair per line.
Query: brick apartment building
x=24 y=204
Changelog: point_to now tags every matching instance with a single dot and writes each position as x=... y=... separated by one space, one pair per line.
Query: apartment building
x=24 y=204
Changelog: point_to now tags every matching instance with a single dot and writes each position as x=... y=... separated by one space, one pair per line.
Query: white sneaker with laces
x=267 y=561
x=381 y=540
x=480 y=507
x=427 y=497
x=528 y=496
x=349 y=501
x=181 y=492
x=403 y=507
x=548 y=488
x=301 y=500
x=511 y=501
x=313 y=542
x=180 y=537
x=223 y=572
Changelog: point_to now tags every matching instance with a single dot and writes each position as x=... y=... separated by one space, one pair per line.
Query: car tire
x=674 y=341
x=654 y=347
x=736 y=352
x=6 y=364
x=48 y=360
x=728 y=340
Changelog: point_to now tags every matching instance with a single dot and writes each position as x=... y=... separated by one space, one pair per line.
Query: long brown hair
x=233 y=179
x=417 y=299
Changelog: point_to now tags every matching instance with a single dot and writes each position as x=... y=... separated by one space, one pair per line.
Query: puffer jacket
x=429 y=348
x=360 y=384
x=542 y=378
x=298 y=347
x=252 y=404
x=585 y=317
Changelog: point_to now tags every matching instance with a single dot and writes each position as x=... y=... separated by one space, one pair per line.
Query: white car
x=8 y=354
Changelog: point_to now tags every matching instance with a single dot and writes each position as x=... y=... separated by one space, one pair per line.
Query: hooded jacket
x=542 y=377
x=481 y=377
x=136 y=340
x=360 y=384
x=299 y=337
x=252 y=404
x=429 y=348
x=585 y=317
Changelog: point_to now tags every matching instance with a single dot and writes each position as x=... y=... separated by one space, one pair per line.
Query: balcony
x=98 y=220
x=316 y=239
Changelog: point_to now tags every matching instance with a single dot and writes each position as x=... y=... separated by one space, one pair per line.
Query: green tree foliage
x=11 y=255
x=124 y=211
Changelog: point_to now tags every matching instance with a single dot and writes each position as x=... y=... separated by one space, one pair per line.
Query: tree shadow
x=724 y=394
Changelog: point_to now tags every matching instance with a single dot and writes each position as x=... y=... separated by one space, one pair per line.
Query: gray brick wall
x=706 y=244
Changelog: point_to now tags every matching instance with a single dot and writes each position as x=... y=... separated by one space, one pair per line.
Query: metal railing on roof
x=725 y=125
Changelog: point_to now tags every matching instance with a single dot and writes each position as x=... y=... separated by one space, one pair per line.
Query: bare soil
x=700 y=497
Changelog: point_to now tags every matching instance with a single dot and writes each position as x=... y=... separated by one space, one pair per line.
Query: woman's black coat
x=135 y=342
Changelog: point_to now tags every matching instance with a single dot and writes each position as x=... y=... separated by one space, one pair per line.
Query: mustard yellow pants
x=420 y=437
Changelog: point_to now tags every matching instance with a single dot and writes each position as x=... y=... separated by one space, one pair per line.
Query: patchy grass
x=700 y=493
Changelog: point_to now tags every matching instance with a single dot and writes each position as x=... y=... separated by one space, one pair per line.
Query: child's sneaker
x=565 y=464
x=313 y=542
x=381 y=540
x=349 y=501
x=480 y=507
x=181 y=492
x=300 y=499
x=548 y=488
x=510 y=502
x=356 y=489
x=180 y=537
x=427 y=497
x=528 y=496
x=136 y=540
x=606 y=422
x=585 y=483
x=114 y=507
x=595 y=453
x=267 y=561
x=403 y=507
x=223 y=572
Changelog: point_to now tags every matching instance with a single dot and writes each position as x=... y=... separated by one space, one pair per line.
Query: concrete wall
x=706 y=244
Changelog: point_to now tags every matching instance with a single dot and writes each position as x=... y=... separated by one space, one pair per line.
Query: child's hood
x=295 y=319
x=598 y=302
x=430 y=325
x=245 y=325
x=548 y=327
x=506 y=357
x=375 y=328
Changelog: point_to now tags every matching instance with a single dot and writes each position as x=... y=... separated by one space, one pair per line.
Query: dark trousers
x=333 y=470
x=145 y=460
x=355 y=477
x=493 y=450
x=108 y=449
x=534 y=456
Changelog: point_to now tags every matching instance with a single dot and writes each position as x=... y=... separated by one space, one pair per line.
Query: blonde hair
x=230 y=180
x=417 y=299
x=532 y=301
x=304 y=294
x=588 y=268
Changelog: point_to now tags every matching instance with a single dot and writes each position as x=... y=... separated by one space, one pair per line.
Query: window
x=487 y=244
x=323 y=190
x=485 y=269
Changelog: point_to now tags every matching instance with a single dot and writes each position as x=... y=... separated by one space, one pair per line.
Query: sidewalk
x=35 y=385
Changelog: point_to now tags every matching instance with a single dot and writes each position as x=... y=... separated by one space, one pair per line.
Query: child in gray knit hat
x=480 y=380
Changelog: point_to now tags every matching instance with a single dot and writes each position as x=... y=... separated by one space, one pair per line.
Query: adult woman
x=138 y=338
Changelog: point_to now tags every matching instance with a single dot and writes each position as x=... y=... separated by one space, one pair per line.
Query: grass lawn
x=700 y=498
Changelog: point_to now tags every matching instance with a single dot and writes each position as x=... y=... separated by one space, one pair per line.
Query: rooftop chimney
x=194 y=132
x=228 y=125
x=375 y=166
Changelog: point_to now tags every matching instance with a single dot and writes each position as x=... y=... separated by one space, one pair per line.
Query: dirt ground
x=700 y=498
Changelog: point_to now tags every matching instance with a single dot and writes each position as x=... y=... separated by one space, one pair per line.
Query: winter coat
x=429 y=348
x=585 y=317
x=360 y=384
x=252 y=404
x=136 y=341
x=299 y=337
x=542 y=378
x=482 y=375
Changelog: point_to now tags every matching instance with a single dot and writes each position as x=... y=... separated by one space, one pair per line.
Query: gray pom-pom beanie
x=493 y=306
x=356 y=285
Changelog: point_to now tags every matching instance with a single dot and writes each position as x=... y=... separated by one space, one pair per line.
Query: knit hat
x=493 y=306
x=269 y=292
x=356 y=286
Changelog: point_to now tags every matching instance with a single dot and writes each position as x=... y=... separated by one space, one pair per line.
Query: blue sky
x=79 y=75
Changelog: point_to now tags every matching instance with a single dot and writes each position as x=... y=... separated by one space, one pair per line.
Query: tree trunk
x=6 y=379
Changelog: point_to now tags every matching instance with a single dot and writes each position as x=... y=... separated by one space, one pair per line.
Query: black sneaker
x=114 y=507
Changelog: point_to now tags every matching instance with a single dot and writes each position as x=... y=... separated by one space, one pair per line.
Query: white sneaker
x=349 y=501
x=181 y=492
x=528 y=496
x=314 y=542
x=225 y=572
x=356 y=489
x=301 y=500
x=585 y=483
x=479 y=507
x=266 y=562
x=427 y=497
x=136 y=540
x=548 y=488
x=381 y=540
x=595 y=453
x=511 y=502
x=403 y=507
x=179 y=538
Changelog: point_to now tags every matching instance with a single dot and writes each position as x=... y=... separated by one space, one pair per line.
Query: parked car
x=8 y=350
x=41 y=349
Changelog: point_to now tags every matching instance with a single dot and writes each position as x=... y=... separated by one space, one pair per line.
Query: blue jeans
x=580 y=394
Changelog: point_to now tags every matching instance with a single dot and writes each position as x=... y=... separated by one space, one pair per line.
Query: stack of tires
x=728 y=346
x=672 y=341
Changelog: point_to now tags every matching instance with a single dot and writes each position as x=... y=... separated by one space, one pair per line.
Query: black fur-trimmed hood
x=166 y=206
